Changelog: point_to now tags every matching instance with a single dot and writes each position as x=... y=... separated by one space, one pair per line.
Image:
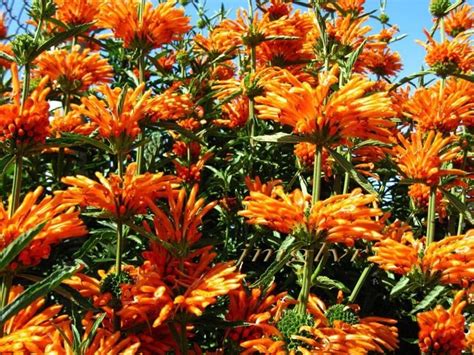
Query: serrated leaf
x=35 y=291
x=430 y=299
x=328 y=283
x=400 y=287
x=12 y=250
x=60 y=37
x=411 y=77
x=458 y=205
x=72 y=139
x=96 y=236
x=354 y=174
x=285 y=251
x=282 y=138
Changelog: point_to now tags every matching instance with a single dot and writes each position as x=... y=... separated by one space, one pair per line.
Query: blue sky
x=411 y=16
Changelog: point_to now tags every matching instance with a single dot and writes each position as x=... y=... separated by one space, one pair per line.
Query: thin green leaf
x=354 y=174
x=431 y=299
x=411 y=77
x=72 y=139
x=5 y=162
x=328 y=283
x=6 y=56
x=460 y=206
x=12 y=250
x=282 y=138
x=401 y=286
x=173 y=126
x=85 y=344
x=464 y=76
x=60 y=37
x=35 y=291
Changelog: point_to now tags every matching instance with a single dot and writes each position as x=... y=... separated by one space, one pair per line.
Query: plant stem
x=4 y=293
x=321 y=263
x=17 y=179
x=317 y=170
x=309 y=259
x=362 y=278
x=141 y=148
x=118 y=255
x=430 y=232
x=306 y=283
x=60 y=163
x=26 y=86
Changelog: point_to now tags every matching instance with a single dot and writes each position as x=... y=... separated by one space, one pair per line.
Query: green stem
x=5 y=285
x=362 y=278
x=118 y=255
x=141 y=148
x=60 y=163
x=17 y=179
x=317 y=171
x=26 y=86
x=347 y=179
x=461 y=215
x=306 y=283
x=183 y=344
x=322 y=263
x=430 y=233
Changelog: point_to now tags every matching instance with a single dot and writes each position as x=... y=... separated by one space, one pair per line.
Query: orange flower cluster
x=338 y=219
x=422 y=156
x=442 y=110
x=459 y=20
x=73 y=70
x=28 y=122
x=441 y=330
x=72 y=122
x=327 y=118
x=448 y=57
x=77 y=12
x=122 y=198
x=452 y=259
x=118 y=115
x=170 y=105
x=153 y=28
x=234 y=113
x=33 y=330
x=58 y=214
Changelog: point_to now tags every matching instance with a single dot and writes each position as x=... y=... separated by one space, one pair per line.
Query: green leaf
x=285 y=251
x=90 y=336
x=328 y=283
x=281 y=137
x=72 y=139
x=411 y=77
x=460 y=206
x=173 y=126
x=464 y=76
x=431 y=299
x=6 y=56
x=12 y=250
x=352 y=58
x=5 y=162
x=401 y=286
x=96 y=236
x=354 y=174
x=60 y=37
x=35 y=291
x=371 y=143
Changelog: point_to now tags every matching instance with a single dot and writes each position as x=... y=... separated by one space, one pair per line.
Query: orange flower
x=157 y=26
x=218 y=281
x=379 y=61
x=327 y=118
x=264 y=188
x=73 y=70
x=453 y=258
x=27 y=125
x=444 y=109
x=62 y=222
x=338 y=219
x=422 y=156
x=449 y=56
x=348 y=31
x=420 y=194
x=77 y=12
x=191 y=172
x=257 y=308
x=121 y=198
x=346 y=218
x=170 y=105
x=459 y=20
x=180 y=224
x=116 y=116
x=441 y=330
x=281 y=212
x=234 y=113
x=397 y=256
x=265 y=345
x=33 y=328
x=72 y=122
x=353 y=7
